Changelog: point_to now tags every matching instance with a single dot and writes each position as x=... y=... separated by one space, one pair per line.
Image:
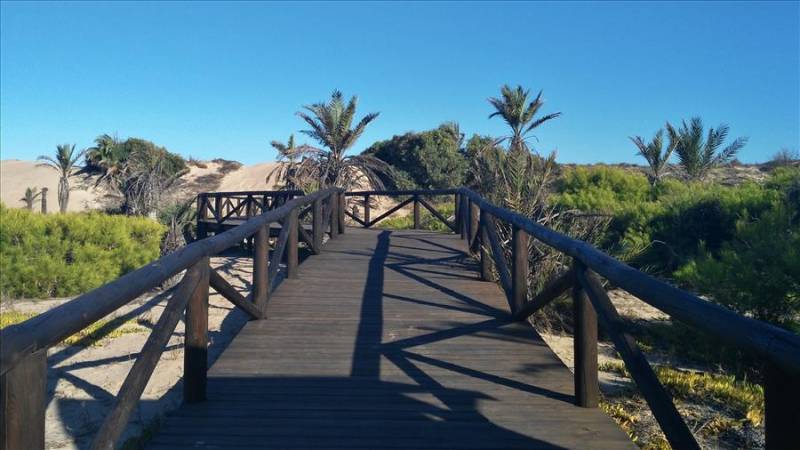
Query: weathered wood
x=317 y=227
x=23 y=403
x=68 y=318
x=277 y=254
x=223 y=288
x=341 y=210
x=403 y=193
x=305 y=237
x=782 y=409
x=587 y=388
x=484 y=258
x=456 y=209
x=44 y=200
x=773 y=343
x=416 y=213
x=261 y=269
x=291 y=223
x=550 y=292
x=366 y=210
x=659 y=400
x=498 y=254
x=195 y=346
x=519 y=269
x=390 y=211
x=462 y=210
x=355 y=218
x=474 y=218
x=136 y=380
x=333 y=206
x=437 y=214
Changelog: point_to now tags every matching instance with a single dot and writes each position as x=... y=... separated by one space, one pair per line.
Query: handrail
x=53 y=326
x=415 y=197
x=777 y=344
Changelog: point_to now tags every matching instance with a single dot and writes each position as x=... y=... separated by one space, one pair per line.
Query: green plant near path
x=31 y=195
x=68 y=254
x=699 y=152
x=65 y=163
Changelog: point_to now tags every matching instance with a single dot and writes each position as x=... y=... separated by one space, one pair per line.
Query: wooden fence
x=23 y=347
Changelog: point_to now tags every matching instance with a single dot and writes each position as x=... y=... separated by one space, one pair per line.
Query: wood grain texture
x=388 y=339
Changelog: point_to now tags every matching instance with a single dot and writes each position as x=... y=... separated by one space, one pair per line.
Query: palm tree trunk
x=63 y=194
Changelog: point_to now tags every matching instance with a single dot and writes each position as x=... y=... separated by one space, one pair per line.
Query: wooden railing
x=416 y=198
x=777 y=348
x=23 y=347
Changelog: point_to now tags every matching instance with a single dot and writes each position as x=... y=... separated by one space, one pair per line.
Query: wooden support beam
x=456 y=210
x=550 y=292
x=366 y=210
x=261 y=279
x=195 y=351
x=587 y=388
x=659 y=400
x=291 y=223
x=462 y=211
x=390 y=212
x=437 y=214
x=340 y=210
x=356 y=218
x=782 y=408
x=333 y=206
x=519 y=269
x=303 y=235
x=498 y=255
x=485 y=259
x=223 y=288
x=416 y=213
x=277 y=253
x=474 y=219
x=316 y=226
x=23 y=402
x=135 y=382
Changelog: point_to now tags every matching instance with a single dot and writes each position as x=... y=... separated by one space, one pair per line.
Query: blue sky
x=223 y=79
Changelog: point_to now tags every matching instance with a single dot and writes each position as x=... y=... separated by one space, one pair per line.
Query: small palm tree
x=699 y=152
x=65 y=163
x=331 y=125
x=31 y=194
x=519 y=114
x=656 y=155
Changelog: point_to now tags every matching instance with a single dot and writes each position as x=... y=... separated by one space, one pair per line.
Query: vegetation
x=92 y=336
x=138 y=171
x=430 y=159
x=65 y=163
x=31 y=195
x=699 y=154
x=427 y=220
x=68 y=254
x=520 y=114
x=331 y=124
x=655 y=154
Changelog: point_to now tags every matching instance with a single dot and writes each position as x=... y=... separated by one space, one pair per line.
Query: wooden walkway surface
x=389 y=340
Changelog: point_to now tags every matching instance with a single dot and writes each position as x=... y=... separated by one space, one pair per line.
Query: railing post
x=457 y=208
x=23 y=403
x=462 y=210
x=333 y=204
x=340 y=211
x=782 y=408
x=261 y=270
x=202 y=231
x=416 y=212
x=195 y=352
x=316 y=225
x=587 y=389
x=519 y=268
x=366 y=211
x=486 y=269
x=474 y=217
x=291 y=244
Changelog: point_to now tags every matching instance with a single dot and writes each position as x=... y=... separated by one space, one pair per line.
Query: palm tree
x=654 y=152
x=102 y=151
x=699 y=154
x=31 y=194
x=519 y=114
x=65 y=163
x=332 y=126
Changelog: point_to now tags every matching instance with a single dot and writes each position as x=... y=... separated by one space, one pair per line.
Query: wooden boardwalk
x=389 y=340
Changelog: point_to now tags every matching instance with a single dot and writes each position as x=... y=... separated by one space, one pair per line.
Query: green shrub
x=68 y=254
x=427 y=220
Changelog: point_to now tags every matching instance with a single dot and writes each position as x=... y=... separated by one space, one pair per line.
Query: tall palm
x=655 y=154
x=699 y=152
x=331 y=124
x=519 y=113
x=65 y=163
x=31 y=194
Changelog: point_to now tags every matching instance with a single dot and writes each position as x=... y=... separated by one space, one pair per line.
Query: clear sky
x=224 y=79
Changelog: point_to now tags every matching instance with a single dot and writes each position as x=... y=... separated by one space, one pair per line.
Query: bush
x=68 y=254
x=427 y=220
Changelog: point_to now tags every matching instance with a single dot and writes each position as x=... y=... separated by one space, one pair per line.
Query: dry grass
x=92 y=336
